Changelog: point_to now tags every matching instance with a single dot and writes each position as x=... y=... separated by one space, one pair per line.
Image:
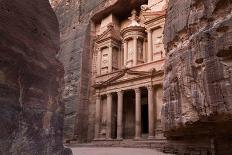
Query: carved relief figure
x=130 y=53
x=155 y=5
x=104 y=61
x=140 y=50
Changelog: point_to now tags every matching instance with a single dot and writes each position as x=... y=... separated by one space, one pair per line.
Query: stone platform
x=114 y=151
x=130 y=143
x=161 y=145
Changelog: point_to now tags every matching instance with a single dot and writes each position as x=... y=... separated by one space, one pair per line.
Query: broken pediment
x=147 y=16
x=111 y=33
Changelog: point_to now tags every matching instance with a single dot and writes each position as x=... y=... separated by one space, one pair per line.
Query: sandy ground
x=114 y=151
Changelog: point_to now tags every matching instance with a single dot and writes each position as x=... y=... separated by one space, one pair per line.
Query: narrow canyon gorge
x=141 y=76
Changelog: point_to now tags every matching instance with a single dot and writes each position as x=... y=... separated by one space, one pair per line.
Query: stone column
x=135 y=52
x=120 y=115
x=109 y=116
x=98 y=63
x=125 y=52
x=97 y=116
x=150 y=46
x=150 y=112
x=110 y=65
x=137 y=113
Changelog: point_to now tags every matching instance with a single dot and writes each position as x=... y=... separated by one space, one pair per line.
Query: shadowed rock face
x=198 y=72
x=31 y=113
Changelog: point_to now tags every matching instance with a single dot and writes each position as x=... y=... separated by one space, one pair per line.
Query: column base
x=151 y=137
x=109 y=139
x=106 y=139
x=119 y=138
x=137 y=138
x=98 y=139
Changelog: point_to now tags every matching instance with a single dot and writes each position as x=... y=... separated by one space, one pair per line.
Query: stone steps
x=152 y=144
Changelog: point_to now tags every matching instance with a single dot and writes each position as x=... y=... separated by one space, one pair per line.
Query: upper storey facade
x=127 y=69
x=134 y=41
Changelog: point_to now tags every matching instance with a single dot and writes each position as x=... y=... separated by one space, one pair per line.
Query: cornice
x=133 y=29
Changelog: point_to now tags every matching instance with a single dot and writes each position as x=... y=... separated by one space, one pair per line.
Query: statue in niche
x=134 y=19
x=158 y=44
x=140 y=50
x=145 y=8
x=159 y=40
x=104 y=60
x=155 y=5
x=130 y=54
x=115 y=59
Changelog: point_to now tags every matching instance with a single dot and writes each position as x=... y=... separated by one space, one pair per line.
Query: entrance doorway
x=129 y=114
x=144 y=112
x=144 y=118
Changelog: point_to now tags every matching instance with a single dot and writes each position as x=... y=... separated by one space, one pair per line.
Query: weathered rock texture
x=31 y=111
x=198 y=72
x=75 y=18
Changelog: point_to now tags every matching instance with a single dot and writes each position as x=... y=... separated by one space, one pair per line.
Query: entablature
x=145 y=71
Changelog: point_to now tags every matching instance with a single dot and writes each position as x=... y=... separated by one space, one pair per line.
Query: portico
x=133 y=101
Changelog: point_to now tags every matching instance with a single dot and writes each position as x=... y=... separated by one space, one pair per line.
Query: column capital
x=109 y=95
x=98 y=96
x=136 y=37
x=137 y=90
x=110 y=45
x=149 y=87
x=149 y=30
x=124 y=41
x=120 y=92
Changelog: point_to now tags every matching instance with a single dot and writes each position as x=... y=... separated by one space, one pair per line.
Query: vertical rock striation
x=74 y=18
x=198 y=71
x=31 y=80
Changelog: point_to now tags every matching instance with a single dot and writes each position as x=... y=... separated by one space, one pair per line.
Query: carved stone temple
x=127 y=70
x=147 y=73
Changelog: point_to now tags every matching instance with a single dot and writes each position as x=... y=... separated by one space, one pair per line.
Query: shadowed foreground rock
x=31 y=80
x=198 y=73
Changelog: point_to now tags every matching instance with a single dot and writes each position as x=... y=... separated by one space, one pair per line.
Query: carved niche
x=104 y=60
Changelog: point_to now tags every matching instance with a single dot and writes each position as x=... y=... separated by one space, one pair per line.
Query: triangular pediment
x=124 y=75
x=153 y=15
x=110 y=33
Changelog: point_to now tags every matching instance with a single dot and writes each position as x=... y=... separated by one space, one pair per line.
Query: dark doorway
x=114 y=115
x=129 y=114
x=144 y=118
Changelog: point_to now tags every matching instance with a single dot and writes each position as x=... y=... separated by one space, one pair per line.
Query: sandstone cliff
x=74 y=19
x=198 y=71
x=31 y=79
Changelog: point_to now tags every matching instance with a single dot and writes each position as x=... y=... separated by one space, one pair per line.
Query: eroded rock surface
x=198 y=72
x=74 y=20
x=31 y=79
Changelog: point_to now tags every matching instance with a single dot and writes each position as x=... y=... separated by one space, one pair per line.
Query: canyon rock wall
x=75 y=54
x=31 y=80
x=198 y=71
